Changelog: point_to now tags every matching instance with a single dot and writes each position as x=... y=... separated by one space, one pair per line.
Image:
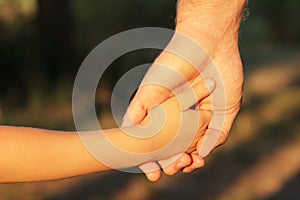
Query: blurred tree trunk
x=55 y=23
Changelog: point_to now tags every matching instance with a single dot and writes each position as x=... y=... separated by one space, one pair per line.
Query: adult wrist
x=208 y=7
x=212 y=23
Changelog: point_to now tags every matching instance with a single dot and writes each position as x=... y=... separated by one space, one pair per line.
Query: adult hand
x=214 y=25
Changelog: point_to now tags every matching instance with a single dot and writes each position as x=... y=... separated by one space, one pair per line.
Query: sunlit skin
x=214 y=25
x=29 y=154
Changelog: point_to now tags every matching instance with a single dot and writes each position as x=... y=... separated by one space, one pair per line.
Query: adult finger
x=151 y=170
x=158 y=85
x=218 y=130
x=197 y=162
x=210 y=140
x=146 y=97
x=176 y=163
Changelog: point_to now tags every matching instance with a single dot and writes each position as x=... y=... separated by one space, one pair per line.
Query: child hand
x=174 y=126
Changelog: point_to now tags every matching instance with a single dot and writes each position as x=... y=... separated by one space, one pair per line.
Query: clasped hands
x=202 y=137
x=185 y=128
x=218 y=36
x=223 y=77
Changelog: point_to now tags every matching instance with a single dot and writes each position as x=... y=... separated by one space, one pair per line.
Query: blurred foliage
x=43 y=42
x=271 y=26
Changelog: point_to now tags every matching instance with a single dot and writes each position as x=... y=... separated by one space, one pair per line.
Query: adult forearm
x=212 y=23
x=211 y=11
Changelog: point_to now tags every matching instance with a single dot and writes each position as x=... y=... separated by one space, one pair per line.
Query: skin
x=214 y=25
x=30 y=154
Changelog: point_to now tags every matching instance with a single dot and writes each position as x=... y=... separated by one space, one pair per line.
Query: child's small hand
x=168 y=129
x=174 y=127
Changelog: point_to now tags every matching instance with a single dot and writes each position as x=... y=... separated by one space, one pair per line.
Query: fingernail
x=210 y=84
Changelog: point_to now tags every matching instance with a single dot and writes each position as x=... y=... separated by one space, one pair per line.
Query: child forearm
x=29 y=154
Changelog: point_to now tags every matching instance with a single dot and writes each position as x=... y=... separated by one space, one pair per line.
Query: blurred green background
x=43 y=42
